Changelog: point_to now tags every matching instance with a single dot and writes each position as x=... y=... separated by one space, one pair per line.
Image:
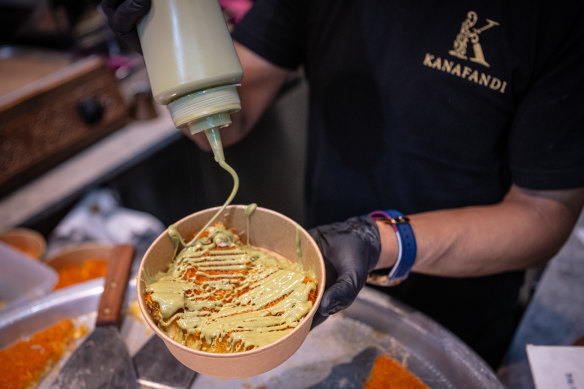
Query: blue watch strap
x=407 y=248
x=405 y=262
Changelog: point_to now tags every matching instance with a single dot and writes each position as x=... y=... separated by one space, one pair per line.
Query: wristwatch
x=407 y=249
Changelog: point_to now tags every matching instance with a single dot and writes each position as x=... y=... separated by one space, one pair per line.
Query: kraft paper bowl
x=27 y=241
x=76 y=255
x=269 y=230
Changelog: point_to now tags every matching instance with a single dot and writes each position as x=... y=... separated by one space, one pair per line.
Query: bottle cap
x=208 y=108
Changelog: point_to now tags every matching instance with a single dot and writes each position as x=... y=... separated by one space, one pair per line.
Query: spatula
x=102 y=360
x=158 y=368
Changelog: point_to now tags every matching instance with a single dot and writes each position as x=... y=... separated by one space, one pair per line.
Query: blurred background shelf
x=154 y=168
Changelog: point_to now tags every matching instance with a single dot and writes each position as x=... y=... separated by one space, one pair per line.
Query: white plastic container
x=22 y=278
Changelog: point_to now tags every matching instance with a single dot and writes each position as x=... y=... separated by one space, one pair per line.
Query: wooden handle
x=115 y=285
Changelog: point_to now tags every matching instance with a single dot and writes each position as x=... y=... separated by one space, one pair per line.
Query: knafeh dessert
x=223 y=296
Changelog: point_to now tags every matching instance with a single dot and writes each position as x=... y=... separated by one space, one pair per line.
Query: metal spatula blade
x=158 y=368
x=102 y=360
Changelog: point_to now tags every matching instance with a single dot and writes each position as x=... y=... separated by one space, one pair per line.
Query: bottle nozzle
x=214 y=138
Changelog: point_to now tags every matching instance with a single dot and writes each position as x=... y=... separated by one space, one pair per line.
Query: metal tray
x=338 y=353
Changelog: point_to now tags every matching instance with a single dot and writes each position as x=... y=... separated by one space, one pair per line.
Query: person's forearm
x=524 y=230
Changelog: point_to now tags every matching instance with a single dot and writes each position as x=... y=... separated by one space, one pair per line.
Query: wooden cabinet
x=50 y=108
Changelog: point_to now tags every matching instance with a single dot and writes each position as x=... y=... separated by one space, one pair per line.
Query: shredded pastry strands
x=221 y=296
x=389 y=373
x=28 y=361
x=88 y=270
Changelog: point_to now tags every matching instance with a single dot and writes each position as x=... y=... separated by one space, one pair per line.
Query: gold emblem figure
x=468 y=33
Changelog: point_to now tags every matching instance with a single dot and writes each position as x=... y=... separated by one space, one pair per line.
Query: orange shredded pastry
x=387 y=373
x=203 y=290
x=27 y=361
x=90 y=269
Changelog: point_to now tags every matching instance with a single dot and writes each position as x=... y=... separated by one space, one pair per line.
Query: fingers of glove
x=350 y=249
x=123 y=16
x=344 y=260
x=317 y=319
x=358 y=235
x=132 y=40
x=331 y=274
x=338 y=297
x=338 y=252
x=109 y=7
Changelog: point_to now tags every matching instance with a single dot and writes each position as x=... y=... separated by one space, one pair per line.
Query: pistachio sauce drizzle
x=239 y=295
x=229 y=294
x=249 y=210
x=298 y=246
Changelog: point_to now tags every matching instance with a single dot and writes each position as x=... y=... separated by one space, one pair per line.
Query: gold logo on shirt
x=469 y=33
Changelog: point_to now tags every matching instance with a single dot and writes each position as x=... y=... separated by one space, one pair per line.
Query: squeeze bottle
x=192 y=65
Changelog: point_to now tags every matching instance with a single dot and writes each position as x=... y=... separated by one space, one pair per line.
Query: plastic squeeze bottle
x=192 y=65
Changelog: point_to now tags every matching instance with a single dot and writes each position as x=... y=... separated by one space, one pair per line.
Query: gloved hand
x=123 y=15
x=351 y=250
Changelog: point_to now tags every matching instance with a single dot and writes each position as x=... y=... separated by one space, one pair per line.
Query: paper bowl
x=27 y=241
x=269 y=230
x=75 y=255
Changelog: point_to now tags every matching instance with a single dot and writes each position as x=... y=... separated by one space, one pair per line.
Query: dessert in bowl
x=239 y=299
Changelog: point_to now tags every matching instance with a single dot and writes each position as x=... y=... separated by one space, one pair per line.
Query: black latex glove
x=123 y=15
x=351 y=250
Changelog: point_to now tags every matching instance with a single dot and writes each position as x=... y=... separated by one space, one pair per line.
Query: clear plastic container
x=22 y=278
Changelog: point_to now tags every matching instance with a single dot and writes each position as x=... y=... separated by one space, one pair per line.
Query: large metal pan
x=342 y=349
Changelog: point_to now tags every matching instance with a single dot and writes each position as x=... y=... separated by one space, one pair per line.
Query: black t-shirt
x=419 y=106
